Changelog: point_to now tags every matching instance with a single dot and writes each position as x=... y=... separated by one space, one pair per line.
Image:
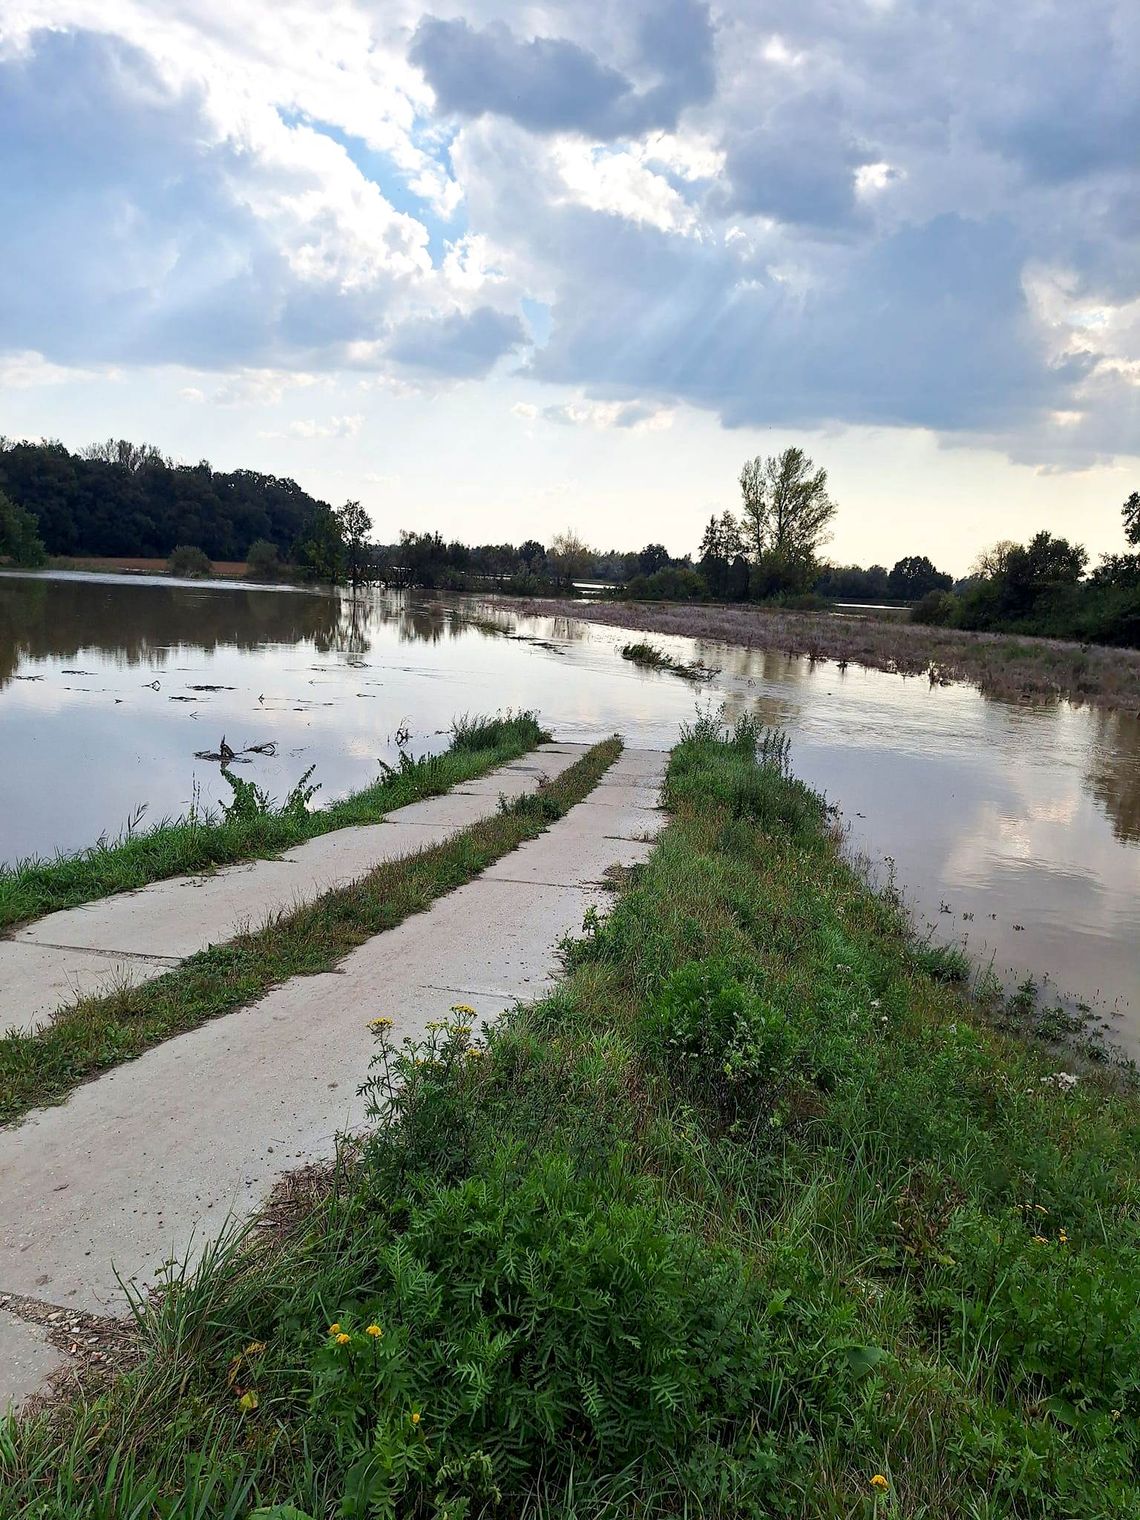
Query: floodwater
x=1011 y=828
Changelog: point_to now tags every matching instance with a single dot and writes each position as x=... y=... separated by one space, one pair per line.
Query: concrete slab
x=91 y=949
x=26 y=1360
x=35 y=980
x=150 y=1159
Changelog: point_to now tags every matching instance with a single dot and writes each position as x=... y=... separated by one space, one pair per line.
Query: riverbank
x=255 y=828
x=757 y=1214
x=226 y=569
x=1000 y=665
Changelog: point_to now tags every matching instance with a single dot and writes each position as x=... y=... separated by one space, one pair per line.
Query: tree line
x=120 y=499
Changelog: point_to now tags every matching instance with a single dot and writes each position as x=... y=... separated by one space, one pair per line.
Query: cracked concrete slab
x=149 y=1161
x=35 y=979
x=83 y=951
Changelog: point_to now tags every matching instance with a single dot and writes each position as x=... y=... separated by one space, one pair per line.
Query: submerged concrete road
x=137 y=936
x=148 y=1162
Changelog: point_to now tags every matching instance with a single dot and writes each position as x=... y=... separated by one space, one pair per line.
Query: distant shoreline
x=1010 y=666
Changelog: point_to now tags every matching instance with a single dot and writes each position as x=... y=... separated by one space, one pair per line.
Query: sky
x=500 y=269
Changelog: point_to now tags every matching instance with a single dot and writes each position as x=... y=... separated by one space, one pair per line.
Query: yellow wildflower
x=1063 y=1237
x=342 y=1339
x=248 y=1400
x=463 y=1008
x=379 y=1024
x=255 y=1348
x=475 y=1054
x=334 y=1328
x=374 y=1331
x=1039 y=1240
x=415 y=1417
x=879 y=1482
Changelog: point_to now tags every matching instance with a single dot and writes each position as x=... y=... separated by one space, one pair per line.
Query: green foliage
x=650 y=657
x=939 y=609
x=910 y=1251
x=188 y=562
x=256 y=829
x=20 y=542
x=119 y=498
x=263 y=560
x=250 y=803
x=914 y=577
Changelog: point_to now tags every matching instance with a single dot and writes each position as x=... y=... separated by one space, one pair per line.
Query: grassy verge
x=651 y=658
x=753 y=1217
x=97 y=1033
x=253 y=827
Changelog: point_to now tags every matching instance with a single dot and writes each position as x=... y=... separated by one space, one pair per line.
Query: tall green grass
x=253 y=826
x=751 y=1217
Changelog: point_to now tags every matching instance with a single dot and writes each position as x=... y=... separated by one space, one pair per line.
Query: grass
x=253 y=827
x=651 y=658
x=751 y=1217
x=1000 y=665
x=97 y=1033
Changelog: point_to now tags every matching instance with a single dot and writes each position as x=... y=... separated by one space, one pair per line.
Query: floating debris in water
x=227 y=755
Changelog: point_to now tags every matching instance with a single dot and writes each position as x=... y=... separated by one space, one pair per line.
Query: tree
x=188 y=562
x=263 y=561
x=653 y=557
x=787 y=508
x=913 y=576
x=991 y=564
x=1130 y=511
x=532 y=553
x=1042 y=565
x=571 y=557
x=20 y=539
x=355 y=525
x=320 y=550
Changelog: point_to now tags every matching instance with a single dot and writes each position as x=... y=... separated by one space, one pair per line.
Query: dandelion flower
x=415 y=1417
x=879 y=1482
x=248 y=1401
x=342 y=1339
x=374 y=1331
x=334 y=1328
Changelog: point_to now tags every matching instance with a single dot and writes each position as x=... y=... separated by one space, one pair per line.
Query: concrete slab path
x=149 y=1161
x=136 y=936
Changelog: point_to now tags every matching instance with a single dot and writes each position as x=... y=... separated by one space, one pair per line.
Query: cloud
x=459 y=346
x=551 y=84
x=310 y=427
x=799 y=214
x=27 y=369
x=639 y=416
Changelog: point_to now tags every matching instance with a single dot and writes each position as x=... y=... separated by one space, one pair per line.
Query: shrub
x=263 y=561
x=188 y=563
x=938 y=608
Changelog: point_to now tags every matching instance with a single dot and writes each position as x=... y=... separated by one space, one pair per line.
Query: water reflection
x=1014 y=827
x=1114 y=772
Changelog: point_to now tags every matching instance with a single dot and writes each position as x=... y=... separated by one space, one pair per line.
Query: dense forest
x=123 y=499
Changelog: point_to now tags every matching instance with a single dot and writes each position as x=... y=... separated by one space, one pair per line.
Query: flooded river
x=1012 y=828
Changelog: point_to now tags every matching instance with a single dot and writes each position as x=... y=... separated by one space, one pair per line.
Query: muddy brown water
x=1013 y=829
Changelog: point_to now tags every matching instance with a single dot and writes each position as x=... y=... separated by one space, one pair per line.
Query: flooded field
x=1013 y=828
